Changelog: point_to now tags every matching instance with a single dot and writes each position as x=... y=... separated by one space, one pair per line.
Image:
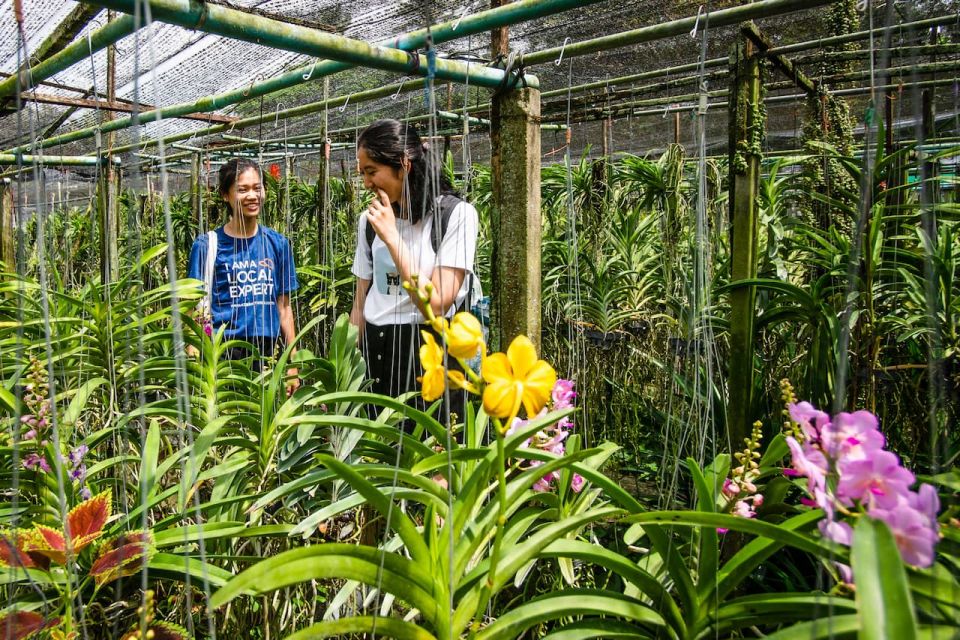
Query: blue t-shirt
x=248 y=275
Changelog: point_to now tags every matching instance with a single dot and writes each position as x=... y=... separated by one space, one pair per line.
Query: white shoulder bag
x=206 y=304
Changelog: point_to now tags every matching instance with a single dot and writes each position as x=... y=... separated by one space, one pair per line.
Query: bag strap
x=208 y=268
x=448 y=202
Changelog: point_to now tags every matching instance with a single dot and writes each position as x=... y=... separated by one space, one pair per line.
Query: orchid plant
x=850 y=474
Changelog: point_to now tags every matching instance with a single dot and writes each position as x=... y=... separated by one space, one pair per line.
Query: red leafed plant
x=41 y=546
x=85 y=524
x=20 y=625
x=275 y=171
x=121 y=556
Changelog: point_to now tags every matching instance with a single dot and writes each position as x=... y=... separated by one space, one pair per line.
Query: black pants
x=264 y=349
x=392 y=353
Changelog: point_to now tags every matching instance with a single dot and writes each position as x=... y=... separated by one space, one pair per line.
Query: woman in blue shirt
x=253 y=271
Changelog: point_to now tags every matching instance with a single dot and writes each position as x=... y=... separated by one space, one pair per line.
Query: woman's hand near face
x=384 y=221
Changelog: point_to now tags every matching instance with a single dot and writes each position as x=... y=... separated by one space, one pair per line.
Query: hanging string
x=179 y=350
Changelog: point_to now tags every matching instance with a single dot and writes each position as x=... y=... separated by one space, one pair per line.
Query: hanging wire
x=179 y=349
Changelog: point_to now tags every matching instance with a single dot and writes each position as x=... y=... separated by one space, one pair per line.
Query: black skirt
x=392 y=353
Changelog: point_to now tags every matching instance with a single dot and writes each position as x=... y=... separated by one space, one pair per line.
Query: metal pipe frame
x=7 y=159
x=799 y=46
x=714 y=19
x=613 y=109
x=718 y=18
x=513 y=13
x=240 y=25
x=692 y=101
x=100 y=39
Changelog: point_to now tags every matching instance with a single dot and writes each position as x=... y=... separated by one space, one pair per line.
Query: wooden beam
x=124 y=106
x=63 y=35
x=752 y=32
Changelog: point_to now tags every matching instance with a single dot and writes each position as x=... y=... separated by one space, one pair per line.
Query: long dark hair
x=389 y=142
x=229 y=172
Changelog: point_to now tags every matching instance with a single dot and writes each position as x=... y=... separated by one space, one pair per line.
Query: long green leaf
x=183 y=568
x=397 y=520
x=825 y=628
x=563 y=604
x=387 y=571
x=883 y=595
x=373 y=626
x=79 y=402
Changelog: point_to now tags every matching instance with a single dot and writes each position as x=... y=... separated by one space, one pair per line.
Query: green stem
x=487 y=591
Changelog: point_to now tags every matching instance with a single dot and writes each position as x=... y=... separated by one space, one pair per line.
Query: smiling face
x=245 y=195
x=380 y=176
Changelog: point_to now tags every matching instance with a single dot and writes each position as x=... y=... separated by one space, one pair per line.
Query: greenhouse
x=479 y=319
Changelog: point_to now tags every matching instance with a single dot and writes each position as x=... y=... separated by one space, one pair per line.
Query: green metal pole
x=66 y=161
x=714 y=19
x=82 y=48
x=480 y=22
x=240 y=25
x=799 y=46
x=864 y=35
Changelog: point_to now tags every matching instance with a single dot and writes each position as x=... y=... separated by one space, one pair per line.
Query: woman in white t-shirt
x=419 y=227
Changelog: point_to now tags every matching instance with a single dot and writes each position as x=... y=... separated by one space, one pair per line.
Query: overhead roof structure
x=163 y=65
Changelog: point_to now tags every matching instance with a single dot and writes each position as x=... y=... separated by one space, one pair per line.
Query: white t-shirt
x=387 y=301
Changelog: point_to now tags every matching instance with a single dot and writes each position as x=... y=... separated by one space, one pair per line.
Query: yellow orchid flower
x=440 y=325
x=516 y=378
x=465 y=336
x=458 y=380
x=434 y=379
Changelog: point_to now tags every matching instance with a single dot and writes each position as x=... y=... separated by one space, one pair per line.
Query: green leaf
x=397 y=520
x=774 y=608
x=626 y=569
x=746 y=525
x=561 y=604
x=79 y=402
x=825 y=628
x=597 y=628
x=9 y=403
x=148 y=467
x=374 y=626
x=883 y=595
x=182 y=568
x=217 y=530
x=387 y=571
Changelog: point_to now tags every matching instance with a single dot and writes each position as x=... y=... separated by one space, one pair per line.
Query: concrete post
x=515 y=217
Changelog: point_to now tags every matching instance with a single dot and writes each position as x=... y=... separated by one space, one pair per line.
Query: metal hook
x=343 y=108
x=276 y=115
x=397 y=94
x=696 y=23
x=257 y=78
x=309 y=74
x=462 y=15
x=562 y=49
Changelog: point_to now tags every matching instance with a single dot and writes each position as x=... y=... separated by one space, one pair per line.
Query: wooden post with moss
x=8 y=227
x=196 y=193
x=515 y=216
x=746 y=135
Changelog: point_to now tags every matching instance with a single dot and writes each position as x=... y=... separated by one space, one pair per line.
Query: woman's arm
x=446 y=281
x=288 y=329
x=359 y=300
